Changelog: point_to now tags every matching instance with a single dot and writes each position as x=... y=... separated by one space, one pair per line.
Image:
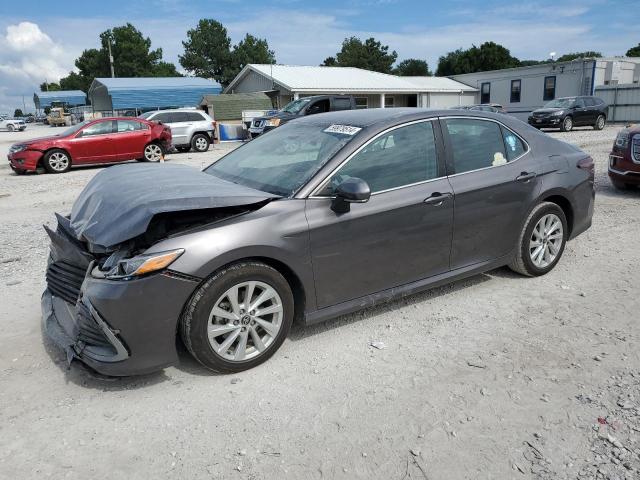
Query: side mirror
x=352 y=190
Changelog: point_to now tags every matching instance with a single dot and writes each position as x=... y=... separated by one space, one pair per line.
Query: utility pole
x=110 y=56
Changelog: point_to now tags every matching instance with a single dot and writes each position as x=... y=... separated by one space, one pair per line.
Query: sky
x=41 y=39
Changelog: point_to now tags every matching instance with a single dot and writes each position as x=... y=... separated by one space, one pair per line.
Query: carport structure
x=71 y=98
x=149 y=93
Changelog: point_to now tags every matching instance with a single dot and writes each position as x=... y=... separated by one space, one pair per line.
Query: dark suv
x=568 y=112
x=624 y=160
x=298 y=108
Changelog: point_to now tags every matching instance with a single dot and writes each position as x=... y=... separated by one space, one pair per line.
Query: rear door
x=495 y=181
x=400 y=235
x=94 y=143
x=592 y=110
x=130 y=138
x=581 y=114
x=180 y=127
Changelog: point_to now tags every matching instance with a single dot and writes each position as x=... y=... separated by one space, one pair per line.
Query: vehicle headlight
x=17 y=148
x=143 y=264
x=273 y=122
x=559 y=113
x=622 y=140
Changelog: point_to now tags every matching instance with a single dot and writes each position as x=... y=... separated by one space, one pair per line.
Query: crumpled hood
x=120 y=201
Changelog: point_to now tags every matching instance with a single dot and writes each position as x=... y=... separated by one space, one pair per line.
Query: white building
x=284 y=83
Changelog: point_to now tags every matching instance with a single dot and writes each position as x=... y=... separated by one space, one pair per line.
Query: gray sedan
x=324 y=216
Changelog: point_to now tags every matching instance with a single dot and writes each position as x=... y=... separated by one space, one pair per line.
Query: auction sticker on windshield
x=344 y=129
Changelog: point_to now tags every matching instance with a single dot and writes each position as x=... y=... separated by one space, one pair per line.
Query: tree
x=488 y=56
x=249 y=50
x=329 y=62
x=207 y=50
x=133 y=57
x=634 y=51
x=368 y=55
x=18 y=113
x=412 y=67
x=49 y=87
x=567 y=57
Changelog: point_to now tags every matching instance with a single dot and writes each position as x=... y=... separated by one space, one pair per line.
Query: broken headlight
x=143 y=264
x=272 y=122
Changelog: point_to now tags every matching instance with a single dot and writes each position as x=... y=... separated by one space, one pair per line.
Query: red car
x=624 y=160
x=107 y=140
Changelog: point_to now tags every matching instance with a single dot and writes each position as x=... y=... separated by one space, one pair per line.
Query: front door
x=94 y=143
x=581 y=114
x=400 y=235
x=495 y=181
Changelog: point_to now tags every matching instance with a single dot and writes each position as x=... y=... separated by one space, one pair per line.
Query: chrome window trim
x=633 y=139
x=323 y=183
x=528 y=148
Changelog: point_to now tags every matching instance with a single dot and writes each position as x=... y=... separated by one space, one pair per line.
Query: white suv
x=190 y=128
x=11 y=124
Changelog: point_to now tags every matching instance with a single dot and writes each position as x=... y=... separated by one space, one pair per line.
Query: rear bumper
x=27 y=160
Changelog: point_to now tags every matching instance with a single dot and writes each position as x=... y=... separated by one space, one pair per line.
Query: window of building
x=389 y=102
x=549 y=88
x=362 y=102
x=515 y=90
x=485 y=92
x=475 y=144
x=404 y=156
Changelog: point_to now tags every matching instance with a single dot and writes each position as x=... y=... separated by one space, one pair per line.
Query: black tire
x=600 y=122
x=200 y=142
x=522 y=262
x=567 y=124
x=184 y=148
x=53 y=161
x=195 y=319
x=11 y=128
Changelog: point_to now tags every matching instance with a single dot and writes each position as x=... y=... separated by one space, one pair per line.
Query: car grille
x=635 y=149
x=258 y=123
x=64 y=280
x=540 y=115
x=89 y=331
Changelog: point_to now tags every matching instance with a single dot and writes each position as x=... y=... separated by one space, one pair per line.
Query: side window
x=589 y=101
x=579 y=103
x=475 y=144
x=163 y=117
x=549 y=88
x=513 y=145
x=341 y=104
x=320 y=106
x=100 y=128
x=193 y=117
x=362 y=102
x=128 y=126
x=401 y=157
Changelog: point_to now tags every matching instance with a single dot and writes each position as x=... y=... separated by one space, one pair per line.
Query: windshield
x=561 y=103
x=146 y=115
x=281 y=161
x=296 y=105
x=74 y=129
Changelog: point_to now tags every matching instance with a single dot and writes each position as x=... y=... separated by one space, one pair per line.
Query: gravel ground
x=497 y=376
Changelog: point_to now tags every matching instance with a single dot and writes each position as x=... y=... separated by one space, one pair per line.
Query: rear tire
x=600 y=122
x=567 y=124
x=200 y=142
x=11 y=128
x=530 y=260
x=152 y=152
x=56 y=161
x=213 y=339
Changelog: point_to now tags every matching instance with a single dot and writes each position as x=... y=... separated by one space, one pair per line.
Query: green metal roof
x=230 y=106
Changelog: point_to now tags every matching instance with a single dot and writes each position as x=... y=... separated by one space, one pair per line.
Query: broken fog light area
x=65 y=280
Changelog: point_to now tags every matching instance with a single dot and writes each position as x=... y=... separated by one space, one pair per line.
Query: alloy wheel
x=600 y=122
x=568 y=124
x=201 y=144
x=546 y=240
x=245 y=321
x=58 y=161
x=153 y=152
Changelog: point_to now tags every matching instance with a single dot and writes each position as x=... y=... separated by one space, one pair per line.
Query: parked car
x=568 y=112
x=299 y=108
x=191 y=128
x=322 y=217
x=624 y=160
x=107 y=140
x=12 y=124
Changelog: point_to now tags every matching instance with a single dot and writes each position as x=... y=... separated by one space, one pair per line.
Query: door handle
x=436 y=199
x=524 y=177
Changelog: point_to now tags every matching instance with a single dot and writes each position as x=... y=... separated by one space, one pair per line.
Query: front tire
x=542 y=241
x=238 y=318
x=600 y=122
x=200 y=142
x=56 y=161
x=567 y=124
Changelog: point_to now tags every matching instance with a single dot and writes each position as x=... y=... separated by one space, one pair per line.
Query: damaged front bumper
x=116 y=327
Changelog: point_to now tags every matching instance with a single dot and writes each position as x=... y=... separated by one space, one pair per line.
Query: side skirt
x=394 y=293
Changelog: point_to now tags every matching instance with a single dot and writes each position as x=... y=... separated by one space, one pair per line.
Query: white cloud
x=28 y=56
